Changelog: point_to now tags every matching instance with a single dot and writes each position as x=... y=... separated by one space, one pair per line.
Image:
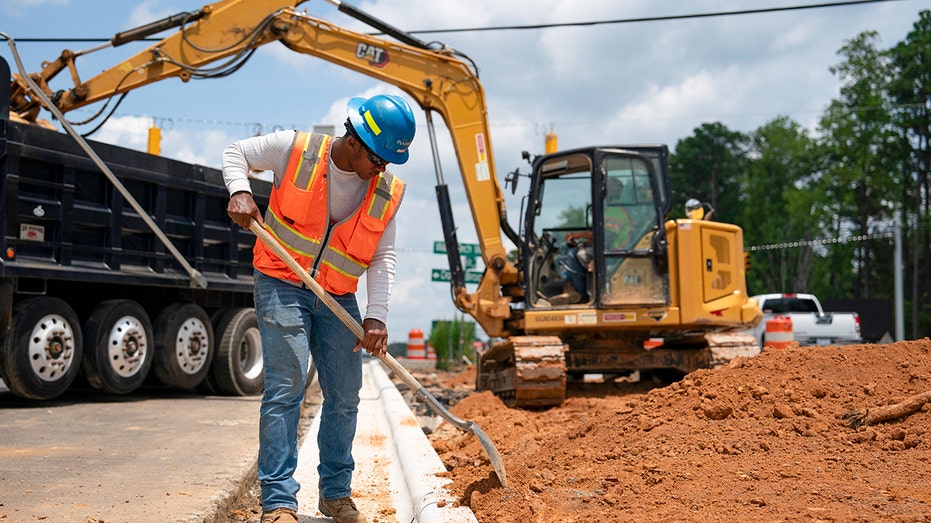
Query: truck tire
x=209 y=386
x=237 y=367
x=41 y=355
x=118 y=351
x=183 y=345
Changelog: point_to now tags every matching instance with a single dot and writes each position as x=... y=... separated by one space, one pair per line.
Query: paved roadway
x=163 y=455
x=154 y=455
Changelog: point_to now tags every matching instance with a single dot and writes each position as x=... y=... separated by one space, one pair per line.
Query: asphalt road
x=153 y=455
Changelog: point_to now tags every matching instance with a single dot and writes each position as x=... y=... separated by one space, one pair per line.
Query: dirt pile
x=768 y=438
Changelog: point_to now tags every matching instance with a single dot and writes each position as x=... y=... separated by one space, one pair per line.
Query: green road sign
x=465 y=249
x=444 y=275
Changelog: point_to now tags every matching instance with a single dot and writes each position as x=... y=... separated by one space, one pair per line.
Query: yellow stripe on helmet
x=371 y=121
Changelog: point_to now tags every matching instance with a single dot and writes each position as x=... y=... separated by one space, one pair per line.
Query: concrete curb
x=396 y=466
x=425 y=492
x=223 y=503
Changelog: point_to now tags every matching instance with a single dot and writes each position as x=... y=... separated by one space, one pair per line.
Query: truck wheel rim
x=127 y=346
x=192 y=346
x=250 y=354
x=51 y=348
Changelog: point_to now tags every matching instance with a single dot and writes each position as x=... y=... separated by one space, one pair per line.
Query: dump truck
x=594 y=280
x=86 y=284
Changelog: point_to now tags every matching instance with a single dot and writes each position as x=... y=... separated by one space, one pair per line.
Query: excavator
x=598 y=279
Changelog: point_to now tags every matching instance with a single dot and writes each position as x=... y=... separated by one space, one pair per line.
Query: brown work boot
x=279 y=515
x=342 y=510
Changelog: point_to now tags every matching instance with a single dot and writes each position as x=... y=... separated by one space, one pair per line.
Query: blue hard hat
x=385 y=123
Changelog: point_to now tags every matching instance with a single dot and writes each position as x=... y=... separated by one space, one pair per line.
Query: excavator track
x=525 y=371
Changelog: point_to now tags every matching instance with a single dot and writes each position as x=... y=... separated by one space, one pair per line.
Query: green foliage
x=707 y=166
x=857 y=133
x=910 y=89
x=451 y=340
x=776 y=208
x=572 y=217
x=817 y=211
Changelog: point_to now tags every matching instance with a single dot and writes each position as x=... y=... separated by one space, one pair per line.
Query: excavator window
x=563 y=223
x=596 y=218
x=629 y=208
x=631 y=220
x=565 y=203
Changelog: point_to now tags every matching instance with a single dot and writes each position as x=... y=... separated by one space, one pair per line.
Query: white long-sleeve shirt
x=270 y=152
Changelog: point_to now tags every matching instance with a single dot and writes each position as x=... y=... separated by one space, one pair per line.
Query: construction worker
x=332 y=207
x=578 y=265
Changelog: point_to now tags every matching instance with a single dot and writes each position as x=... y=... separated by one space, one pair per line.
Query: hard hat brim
x=358 y=123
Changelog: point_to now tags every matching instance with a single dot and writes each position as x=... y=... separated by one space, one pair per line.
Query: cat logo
x=374 y=55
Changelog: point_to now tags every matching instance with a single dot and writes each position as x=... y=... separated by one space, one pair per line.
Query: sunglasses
x=373 y=158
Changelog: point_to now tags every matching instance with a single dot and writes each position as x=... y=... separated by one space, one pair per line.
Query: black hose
x=156 y=27
x=362 y=16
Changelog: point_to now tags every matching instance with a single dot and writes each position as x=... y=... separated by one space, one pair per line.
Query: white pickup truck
x=810 y=324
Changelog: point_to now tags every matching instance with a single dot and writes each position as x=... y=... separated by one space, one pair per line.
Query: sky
x=643 y=82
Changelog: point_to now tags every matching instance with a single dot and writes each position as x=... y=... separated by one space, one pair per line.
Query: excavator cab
x=594 y=230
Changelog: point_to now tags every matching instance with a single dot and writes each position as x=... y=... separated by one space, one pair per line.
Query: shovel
x=388 y=359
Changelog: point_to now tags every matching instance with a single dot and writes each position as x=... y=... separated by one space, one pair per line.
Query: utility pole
x=897 y=275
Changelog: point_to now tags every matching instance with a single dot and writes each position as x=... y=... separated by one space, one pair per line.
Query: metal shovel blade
x=388 y=359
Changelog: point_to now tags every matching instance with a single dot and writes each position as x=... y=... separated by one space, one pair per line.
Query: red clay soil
x=762 y=439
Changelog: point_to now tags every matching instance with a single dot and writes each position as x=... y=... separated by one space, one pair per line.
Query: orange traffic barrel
x=652 y=343
x=415 y=345
x=431 y=354
x=778 y=332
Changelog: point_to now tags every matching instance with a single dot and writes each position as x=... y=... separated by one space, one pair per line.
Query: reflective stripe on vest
x=309 y=248
x=306 y=157
x=350 y=244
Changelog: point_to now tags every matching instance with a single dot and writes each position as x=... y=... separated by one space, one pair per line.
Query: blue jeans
x=294 y=322
x=572 y=269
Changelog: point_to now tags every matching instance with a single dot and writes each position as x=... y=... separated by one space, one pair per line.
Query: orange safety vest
x=335 y=254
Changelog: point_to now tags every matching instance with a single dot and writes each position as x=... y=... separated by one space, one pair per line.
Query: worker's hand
x=242 y=210
x=573 y=238
x=375 y=341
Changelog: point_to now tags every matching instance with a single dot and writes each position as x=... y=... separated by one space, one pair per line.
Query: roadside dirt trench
x=767 y=438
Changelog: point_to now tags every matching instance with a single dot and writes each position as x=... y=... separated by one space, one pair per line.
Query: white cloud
x=125 y=131
x=795 y=37
x=202 y=147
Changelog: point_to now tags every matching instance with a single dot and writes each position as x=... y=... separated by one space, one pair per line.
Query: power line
x=654 y=18
x=557 y=25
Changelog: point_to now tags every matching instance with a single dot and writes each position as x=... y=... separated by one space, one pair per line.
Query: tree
x=777 y=209
x=857 y=180
x=831 y=198
x=451 y=340
x=910 y=90
x=708 y=166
